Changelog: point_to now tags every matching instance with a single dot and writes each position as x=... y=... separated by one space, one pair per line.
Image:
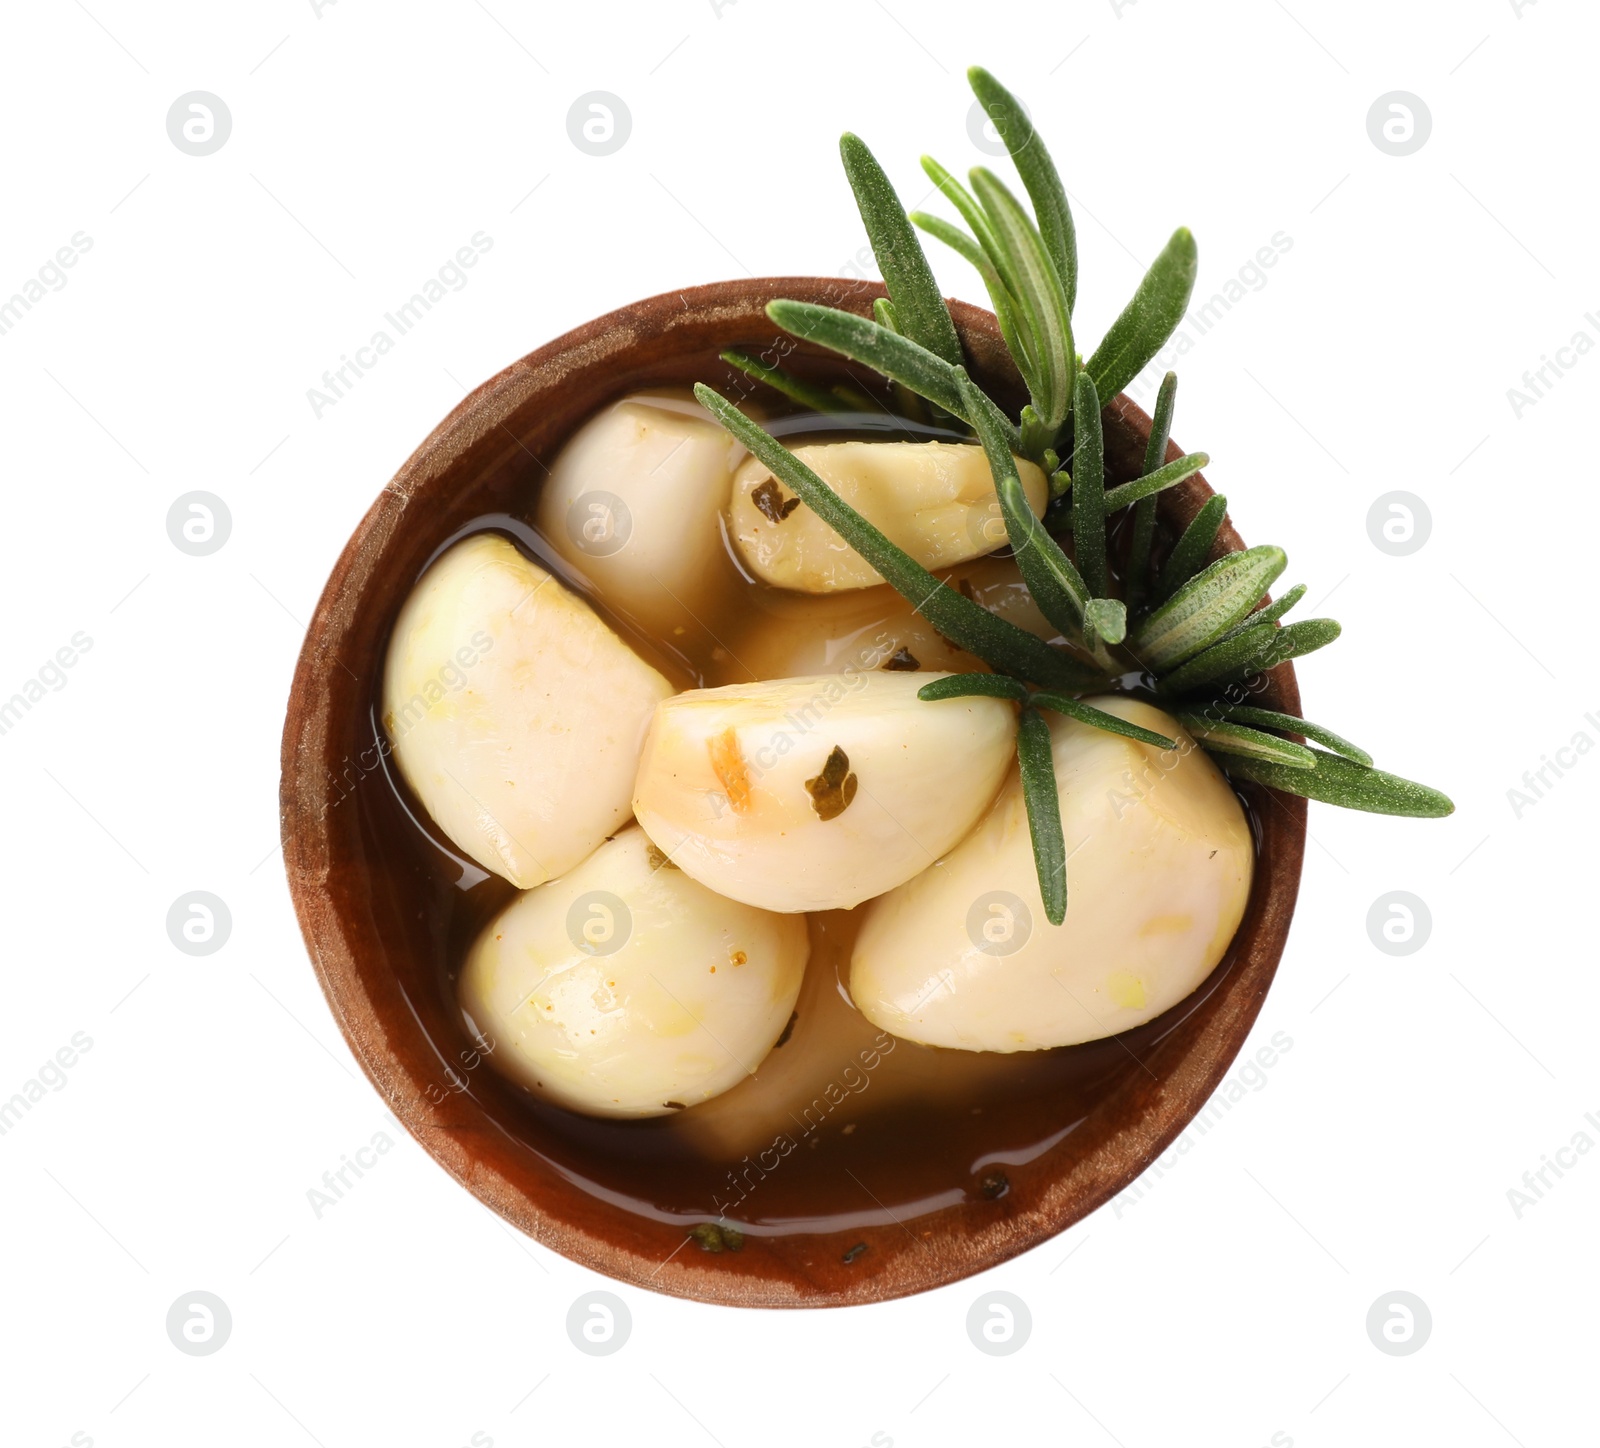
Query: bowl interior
x=381 y=909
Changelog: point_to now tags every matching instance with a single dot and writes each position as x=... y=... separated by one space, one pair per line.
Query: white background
x=1226 y=1306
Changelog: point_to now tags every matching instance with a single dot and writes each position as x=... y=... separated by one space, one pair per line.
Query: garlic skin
x=659 y=557
x=1160 y=859
x=625 y=989
x=818 y=793
x=935 y=500
x=516 y=715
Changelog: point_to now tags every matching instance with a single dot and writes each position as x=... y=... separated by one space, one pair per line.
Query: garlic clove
x=515 y=714
x=634 y=502
x=625 y=989
x=1160 y=859
x=784 y=635
x=818 y=793
x=935 y=500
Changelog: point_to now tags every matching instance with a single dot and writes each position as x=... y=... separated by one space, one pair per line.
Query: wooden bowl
x=377 y=953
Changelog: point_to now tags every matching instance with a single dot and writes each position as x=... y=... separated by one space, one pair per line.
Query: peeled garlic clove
x=1159 y=862
x=626 y=989
x=784 y=635
x=936 y=500
x=996 y=584
x=515 y=714
x=818 y=793
x=634 y=502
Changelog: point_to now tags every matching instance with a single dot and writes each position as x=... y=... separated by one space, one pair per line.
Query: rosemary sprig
x=1100 y=719
x=962 y=686
x=1292 y=724
x=1037 y=768
x=1055 y=583
x=1189 y=554
x=1147 y=485
x=1219 y=735
x=1039 y=177
x=1149 y=319
x=797 y=390
x=1137 y=581
x=1341 y=781
x=1271 y=613
x=1198 y=628
x=919 y=311
x=1253 y=651
x=862 y=340
x=1089 y=488
x=1207 y=607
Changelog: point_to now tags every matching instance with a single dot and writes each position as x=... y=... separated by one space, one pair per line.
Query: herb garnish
x=1202 y=632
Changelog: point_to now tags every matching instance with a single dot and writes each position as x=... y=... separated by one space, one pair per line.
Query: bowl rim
x=550 y=1215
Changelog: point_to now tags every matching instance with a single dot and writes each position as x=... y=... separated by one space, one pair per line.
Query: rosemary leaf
x=1270 y=614
x=1144 y=512
x=1340 y=781
x=1038 y=289
x=1005 y=305
x=806 y=394
x=906 y=401
x=1039 y=177
x=981 y=228
x=1257 y=649
x=1189 y=553
x=999 y=644
x=961 y=686
x=1149 y=319
x=1036 y=434
x=1099 y=719
x=1055 y=584
x=897 y=358
x=1293 y=724
x=1106 y=619
x=1166 y=476
x=1206 y=608
x=1089 y=486
x=1155 y=449
x=1038 y=771
x=920 y=312
x=1220 y=737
